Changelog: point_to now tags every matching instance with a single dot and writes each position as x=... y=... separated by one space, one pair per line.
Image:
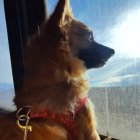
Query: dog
x=53 y=103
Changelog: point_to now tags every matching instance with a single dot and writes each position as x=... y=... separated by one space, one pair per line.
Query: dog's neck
x=53 y=85
x=57 y=97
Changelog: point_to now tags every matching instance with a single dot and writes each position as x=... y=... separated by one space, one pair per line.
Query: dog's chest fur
x=42 y=129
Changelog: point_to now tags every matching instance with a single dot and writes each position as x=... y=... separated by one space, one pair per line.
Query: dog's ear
x=61 y=13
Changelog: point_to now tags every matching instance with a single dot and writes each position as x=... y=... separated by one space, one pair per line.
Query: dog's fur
x=56 y=60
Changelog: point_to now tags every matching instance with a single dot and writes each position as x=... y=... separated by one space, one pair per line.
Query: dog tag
x=24 y=119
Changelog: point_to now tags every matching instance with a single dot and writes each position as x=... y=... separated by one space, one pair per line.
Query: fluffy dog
x=53 y=104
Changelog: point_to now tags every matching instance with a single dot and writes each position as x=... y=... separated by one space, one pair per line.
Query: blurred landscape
x=118 y=110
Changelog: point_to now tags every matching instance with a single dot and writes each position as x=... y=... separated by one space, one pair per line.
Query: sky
x=115 y=23
x=5 y=64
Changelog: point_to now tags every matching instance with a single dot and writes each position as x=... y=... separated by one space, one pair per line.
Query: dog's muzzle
x=96 y=55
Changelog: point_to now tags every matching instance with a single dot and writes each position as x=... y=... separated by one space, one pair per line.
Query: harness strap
x=66 y=119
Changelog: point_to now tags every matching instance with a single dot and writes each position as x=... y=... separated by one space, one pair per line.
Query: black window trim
x=22 y=18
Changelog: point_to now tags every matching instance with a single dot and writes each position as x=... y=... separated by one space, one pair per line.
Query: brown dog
x=53 y=101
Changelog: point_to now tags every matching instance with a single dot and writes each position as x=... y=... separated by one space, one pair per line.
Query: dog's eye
x=90 y=36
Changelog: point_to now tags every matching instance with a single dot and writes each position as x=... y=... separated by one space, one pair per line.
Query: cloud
x=112 y=69
x=118 y=79
x=125 y=80
x=124 y=35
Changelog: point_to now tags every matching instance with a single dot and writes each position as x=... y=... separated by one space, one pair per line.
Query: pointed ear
x=60 y=13
x=68 y=10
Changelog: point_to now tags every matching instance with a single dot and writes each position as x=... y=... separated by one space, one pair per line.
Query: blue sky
x=5 y=69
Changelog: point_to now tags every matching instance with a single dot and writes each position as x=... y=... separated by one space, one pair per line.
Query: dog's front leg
x=86 y=123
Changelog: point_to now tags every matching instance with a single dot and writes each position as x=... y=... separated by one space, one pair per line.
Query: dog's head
x=62 y=27
x=92 y=53
x=65 y=42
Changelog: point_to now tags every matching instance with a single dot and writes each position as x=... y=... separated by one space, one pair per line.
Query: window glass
x=115 y=88
x=6 y=80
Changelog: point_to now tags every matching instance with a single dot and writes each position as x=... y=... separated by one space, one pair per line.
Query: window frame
x=22 y=19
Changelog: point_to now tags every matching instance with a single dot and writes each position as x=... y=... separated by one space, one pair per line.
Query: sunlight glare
x=125 y=35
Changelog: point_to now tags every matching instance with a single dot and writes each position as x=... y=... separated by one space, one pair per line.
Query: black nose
x=103 y=51
x=112 y=51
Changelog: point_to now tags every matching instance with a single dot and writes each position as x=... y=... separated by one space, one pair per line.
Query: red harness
x=66 y=119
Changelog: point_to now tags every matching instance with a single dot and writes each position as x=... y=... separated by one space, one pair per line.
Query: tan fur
x=55 y=80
